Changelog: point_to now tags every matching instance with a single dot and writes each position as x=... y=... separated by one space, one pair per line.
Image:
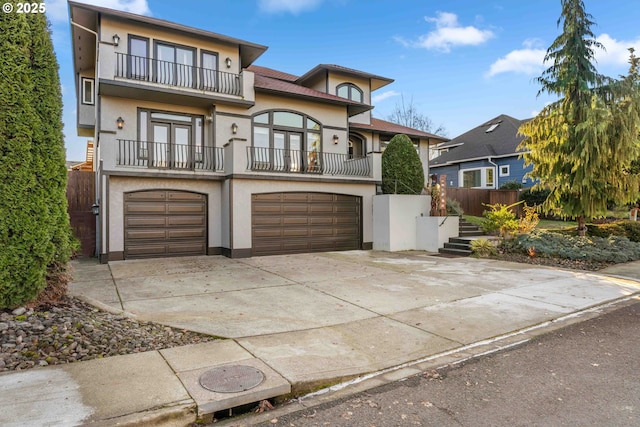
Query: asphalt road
x=587 y=374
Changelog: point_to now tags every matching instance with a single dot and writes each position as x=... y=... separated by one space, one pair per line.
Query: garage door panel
x=164 y=223
x=193 y=220
x=153 y=196
x=305 y=222
x=152 y=208
x=181 y=208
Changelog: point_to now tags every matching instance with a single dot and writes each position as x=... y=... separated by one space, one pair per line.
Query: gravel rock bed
x=74 y=331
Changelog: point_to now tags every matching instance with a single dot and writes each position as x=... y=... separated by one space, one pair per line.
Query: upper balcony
x=173 y=74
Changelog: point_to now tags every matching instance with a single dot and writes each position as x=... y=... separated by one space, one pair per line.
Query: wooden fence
x=472 y=200
x=80 y=197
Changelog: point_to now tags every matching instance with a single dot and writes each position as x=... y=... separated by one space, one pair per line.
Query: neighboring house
x=87 y=165
x=198 y=151
x=484 y=157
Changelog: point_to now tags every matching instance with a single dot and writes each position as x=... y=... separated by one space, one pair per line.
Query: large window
x=349 y=91
x=138 y=64
x=174 y=64
x=477 y=178
x=286 y=141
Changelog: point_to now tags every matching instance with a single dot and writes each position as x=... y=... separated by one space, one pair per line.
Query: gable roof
x=376 y=81
x=497 y=137
x=264 y=83
x=383 y=126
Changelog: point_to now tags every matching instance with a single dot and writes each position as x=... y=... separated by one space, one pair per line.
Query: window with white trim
x=504 y=170
x=476 y=178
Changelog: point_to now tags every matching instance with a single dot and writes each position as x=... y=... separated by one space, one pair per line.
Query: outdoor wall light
x=116 y=40
x=120 y=122
x=335 y=139
x=228 y=62
x=95 y=209
x=234 y=128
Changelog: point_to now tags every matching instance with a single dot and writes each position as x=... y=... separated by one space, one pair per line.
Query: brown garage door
x=284 y=223
x=164 y=223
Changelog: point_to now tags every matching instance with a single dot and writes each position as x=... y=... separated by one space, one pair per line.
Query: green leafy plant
x=402 y=171
x=612 y=249
x=483 y=248
x=529 y=219
x=511 y=185
x=454 y=208
x=534 y=197
x=628 y=229
x=500 y=218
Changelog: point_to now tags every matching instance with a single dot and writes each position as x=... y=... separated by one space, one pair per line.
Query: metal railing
x=174 y=74
x=160 y=155
x=311 y=162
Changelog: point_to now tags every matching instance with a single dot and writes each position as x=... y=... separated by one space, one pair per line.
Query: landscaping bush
x=402 y=171
x=529 y=219
x=534 y=197
x=483 y=248
x=499 y=218
x=511 y=185
x=454 y=208
x=628 y=229
x=613 y=249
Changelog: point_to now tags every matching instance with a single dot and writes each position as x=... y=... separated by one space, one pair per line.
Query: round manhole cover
x=231 y=379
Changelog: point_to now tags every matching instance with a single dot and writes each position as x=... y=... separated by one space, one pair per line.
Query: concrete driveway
x=312 y=320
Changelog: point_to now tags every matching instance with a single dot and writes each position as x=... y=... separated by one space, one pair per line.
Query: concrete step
x=464 y=233
x=452 y=245
x=451 y=251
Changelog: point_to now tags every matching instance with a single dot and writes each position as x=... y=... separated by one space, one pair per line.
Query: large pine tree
x=581 y=147
x=34 y=226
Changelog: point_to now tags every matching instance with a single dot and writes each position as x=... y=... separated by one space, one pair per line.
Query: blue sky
x=462 y=62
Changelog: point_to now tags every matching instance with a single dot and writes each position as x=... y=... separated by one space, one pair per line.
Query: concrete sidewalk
x=303 y=321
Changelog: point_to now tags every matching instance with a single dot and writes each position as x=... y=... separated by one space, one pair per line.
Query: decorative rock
x=19 y=311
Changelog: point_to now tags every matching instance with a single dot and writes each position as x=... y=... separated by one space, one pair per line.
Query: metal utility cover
x=231 y=379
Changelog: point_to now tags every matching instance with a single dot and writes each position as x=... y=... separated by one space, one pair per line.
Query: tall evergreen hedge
x=34 y=225
x=402 y=171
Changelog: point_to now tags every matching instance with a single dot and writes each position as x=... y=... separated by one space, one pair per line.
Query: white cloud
x=384 y=95
x=291 y=6
x=57 y=10
x=523 y=61
x=448 y=34
x=617 y=51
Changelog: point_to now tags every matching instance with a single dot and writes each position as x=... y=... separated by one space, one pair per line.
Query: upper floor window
x=88 y=91
x=286 y=141
x=350 y=91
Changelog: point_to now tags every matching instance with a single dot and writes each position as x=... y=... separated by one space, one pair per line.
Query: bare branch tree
x=407 y=114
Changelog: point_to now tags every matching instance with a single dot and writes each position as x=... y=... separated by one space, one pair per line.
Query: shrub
x=529 y=219
x=483 y=248
x=628 y=229
x=546 y=244
x=534 y=197
x=402 y=171
x=499 y=218
x=511 y=185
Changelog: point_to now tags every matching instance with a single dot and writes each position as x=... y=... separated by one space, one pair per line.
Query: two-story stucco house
x=198 y=151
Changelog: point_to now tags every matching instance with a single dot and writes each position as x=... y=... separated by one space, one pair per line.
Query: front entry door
x=172 y=148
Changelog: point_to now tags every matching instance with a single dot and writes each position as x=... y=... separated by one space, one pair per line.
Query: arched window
x=357 y=146
x=286 y=141
x=350 y=91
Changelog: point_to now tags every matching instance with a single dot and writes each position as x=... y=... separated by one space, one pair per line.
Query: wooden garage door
x=284 y=223
x=164 y=223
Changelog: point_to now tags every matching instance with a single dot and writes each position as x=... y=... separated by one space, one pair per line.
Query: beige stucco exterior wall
x=119 y=185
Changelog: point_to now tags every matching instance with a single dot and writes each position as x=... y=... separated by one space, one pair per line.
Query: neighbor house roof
x=497 y=137
x=383 y=126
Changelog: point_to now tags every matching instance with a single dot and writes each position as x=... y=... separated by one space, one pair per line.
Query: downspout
x=495 y=173
x=96 y=143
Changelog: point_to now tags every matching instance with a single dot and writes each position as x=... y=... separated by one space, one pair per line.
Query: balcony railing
x=159 y=155
x=310 y=162
x=174 y=74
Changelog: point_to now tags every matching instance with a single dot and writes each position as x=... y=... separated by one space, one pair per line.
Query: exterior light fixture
x=234 y=128
x=116 y=40
x=228 y=62
x=95 y=209
x=335 y=139
x=120 y=122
